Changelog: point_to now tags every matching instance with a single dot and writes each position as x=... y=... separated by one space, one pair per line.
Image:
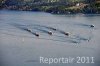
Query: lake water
x=20 y=47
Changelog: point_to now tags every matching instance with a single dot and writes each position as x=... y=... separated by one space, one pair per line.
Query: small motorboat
x=50 y=32
x=91 y=25
x=36 y=34
x=67 y=34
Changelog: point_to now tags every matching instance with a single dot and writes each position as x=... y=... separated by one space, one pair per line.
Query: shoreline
x=53 y=13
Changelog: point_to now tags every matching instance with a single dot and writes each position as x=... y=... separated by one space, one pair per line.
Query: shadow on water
x=85 y=25
x=47 y=27
x=58 y=40
x=74 y=39
x=52 y=28
x=70 y=41
x=63 y=32
x=25 y=29
x=44 y=31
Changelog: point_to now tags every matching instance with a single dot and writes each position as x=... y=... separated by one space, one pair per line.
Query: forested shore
x=53 y=6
